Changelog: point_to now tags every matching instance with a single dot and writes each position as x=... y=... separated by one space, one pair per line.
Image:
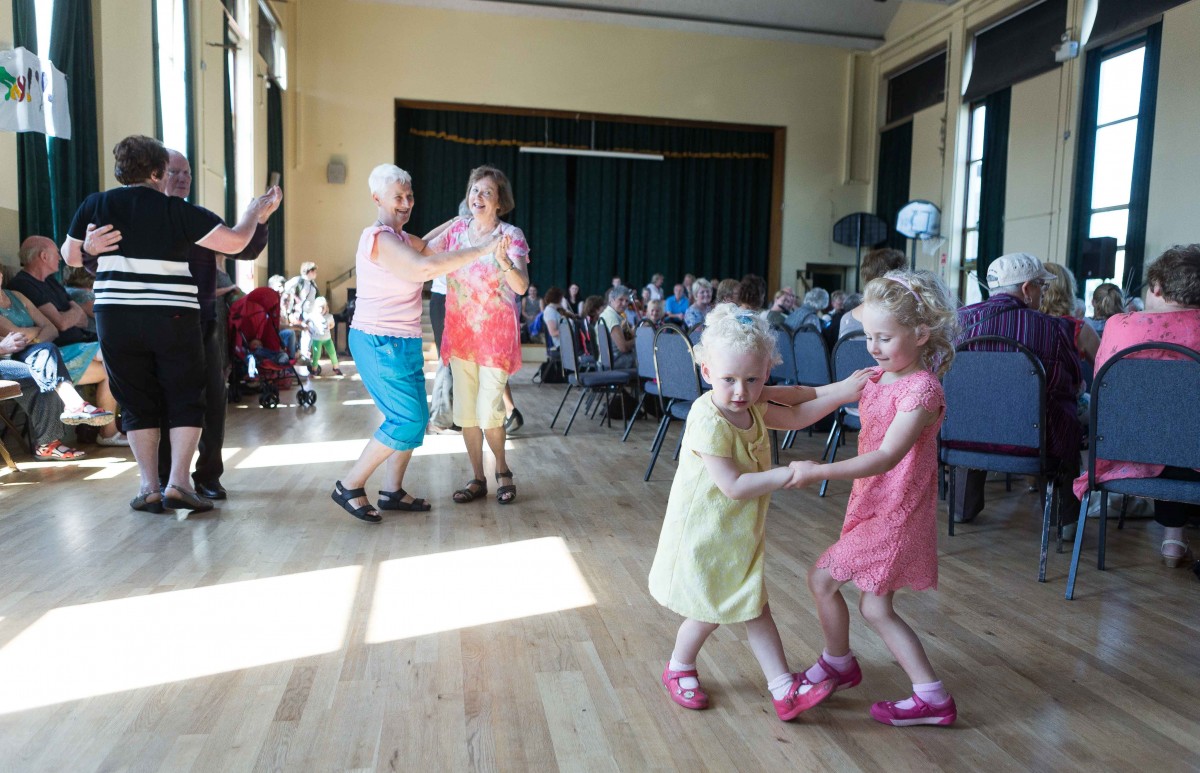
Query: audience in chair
x=38 y=282
x=1107 y=300
x=702 y=297
x=619 y=329
x=1016 y=282
x=1058 y=300
x=1172 y=315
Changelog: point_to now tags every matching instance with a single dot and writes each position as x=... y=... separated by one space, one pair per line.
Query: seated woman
x=59 y=369
x=42 y=408
x=1058 y=300
x=1107 y=300
x=553 y=314
x=1172 y=315
x=702 y=296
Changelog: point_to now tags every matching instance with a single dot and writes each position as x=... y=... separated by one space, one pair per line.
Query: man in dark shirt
x=203 y=265
x=40 y=260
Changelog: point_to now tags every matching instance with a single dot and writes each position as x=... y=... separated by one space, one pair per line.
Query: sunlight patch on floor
x=77 y=652
x=324 y=452
x=463 y=588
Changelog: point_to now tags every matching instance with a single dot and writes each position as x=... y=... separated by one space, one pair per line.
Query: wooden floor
x=280 y=634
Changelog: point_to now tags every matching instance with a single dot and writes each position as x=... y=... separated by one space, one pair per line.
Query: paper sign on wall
x=33 y=95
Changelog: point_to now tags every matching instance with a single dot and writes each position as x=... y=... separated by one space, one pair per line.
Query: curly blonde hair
x=1058 y=296
x=919 y=300
x=730 y=328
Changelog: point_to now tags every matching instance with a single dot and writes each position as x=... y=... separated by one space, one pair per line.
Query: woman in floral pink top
x=1172 y=315
x=482 y=341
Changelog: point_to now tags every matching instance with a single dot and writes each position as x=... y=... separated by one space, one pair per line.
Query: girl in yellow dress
x=709 y=564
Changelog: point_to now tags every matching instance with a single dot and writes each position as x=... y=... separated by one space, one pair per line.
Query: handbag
x=441 y=403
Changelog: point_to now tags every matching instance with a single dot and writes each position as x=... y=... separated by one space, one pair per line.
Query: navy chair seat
x=598 y=378
x=1167 y=489
x=985 y=460
x=680 y=410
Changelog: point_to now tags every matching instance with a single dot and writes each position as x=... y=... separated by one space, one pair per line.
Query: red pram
x=256 y=316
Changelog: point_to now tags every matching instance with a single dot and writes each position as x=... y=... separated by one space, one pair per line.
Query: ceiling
x=856 y=24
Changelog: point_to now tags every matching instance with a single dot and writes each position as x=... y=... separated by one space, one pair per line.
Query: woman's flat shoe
x=185 y=500
x=394 y=500
x=57 y=451
x=87 y=414
x=514 y=421
x=1176 y=560
x=467 y=494
x=343 y=495
x=143 y=503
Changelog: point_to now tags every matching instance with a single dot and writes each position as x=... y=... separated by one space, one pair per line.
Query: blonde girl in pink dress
x=889 y=538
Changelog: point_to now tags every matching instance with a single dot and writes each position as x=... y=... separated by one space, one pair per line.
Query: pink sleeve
x=924 y=392
x=518 y=247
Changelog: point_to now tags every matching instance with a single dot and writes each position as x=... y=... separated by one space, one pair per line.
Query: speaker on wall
x=335 y=173
x=1099 y=258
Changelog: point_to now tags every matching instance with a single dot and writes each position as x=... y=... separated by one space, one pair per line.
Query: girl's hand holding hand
x=804 y=473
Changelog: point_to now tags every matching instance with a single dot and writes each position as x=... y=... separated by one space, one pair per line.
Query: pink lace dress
x=889 y=539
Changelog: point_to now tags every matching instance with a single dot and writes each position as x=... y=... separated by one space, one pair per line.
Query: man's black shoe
x=215 y=491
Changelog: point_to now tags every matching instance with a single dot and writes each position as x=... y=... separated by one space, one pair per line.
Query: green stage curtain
x=705 y=209
x=275 y=261
x=74 y=163
x=895 y=172
x=36 y=211
x=993 y=181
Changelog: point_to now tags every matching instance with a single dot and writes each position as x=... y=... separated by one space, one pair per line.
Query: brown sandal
x=465 y=494
x=507 y=493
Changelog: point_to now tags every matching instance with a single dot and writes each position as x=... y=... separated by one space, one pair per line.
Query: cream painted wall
x=124 y=76
x=926 y=178
x=354 y=59
x=1175 y=170
x=1034 y=141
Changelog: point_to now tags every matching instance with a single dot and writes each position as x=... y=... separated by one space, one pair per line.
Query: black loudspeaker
x=1099 y=258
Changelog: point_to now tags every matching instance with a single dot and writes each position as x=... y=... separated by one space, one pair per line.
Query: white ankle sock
x=687 y=682
x=932 y=693
x=780 y=685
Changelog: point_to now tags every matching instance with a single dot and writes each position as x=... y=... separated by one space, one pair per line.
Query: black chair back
x=568 y=345
x=604 y=345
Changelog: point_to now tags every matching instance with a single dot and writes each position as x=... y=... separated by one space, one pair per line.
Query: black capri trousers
x=155 y=363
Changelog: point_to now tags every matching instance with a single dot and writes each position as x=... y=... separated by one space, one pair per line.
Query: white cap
x=1016 y=268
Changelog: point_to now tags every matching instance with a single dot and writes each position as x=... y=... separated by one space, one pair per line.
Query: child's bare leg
x=837 y=659
x=904 y=644
x=831 y=609
x=691 y=637
x=766 y=644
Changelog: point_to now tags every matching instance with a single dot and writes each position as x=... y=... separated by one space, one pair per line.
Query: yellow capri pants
x=478 y=394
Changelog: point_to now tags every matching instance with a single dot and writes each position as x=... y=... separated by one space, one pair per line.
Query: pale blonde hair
x=921 y=301
x=1058 y=296
x=730 y=328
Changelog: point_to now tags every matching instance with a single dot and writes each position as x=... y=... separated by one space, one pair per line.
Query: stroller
x=256 y=317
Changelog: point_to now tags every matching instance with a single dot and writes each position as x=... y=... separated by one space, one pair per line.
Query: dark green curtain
x=993 y=181
x=275 y=261
x=705 y=209
x=36 y=211
x=893 y=178
x=231 y=207
x=74 y=163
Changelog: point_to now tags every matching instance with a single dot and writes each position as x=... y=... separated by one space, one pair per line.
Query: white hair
x=818 y=298
x=384 y=175
x=730 y=328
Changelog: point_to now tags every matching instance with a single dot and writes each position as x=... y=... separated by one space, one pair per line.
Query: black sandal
x=394 y=500
x=465 y=494
x=343 y=495
x=143 y=502
x=185 y=500
x=507 y=493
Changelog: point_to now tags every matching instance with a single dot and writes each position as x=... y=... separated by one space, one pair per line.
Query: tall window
x=1115 y=152
x=172 y=73
x=970 y=282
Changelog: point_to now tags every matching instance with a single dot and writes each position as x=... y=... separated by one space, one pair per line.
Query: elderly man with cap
x=1016 y=281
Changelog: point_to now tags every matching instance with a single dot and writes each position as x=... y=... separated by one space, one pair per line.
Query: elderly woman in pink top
x=482 y=339
x=385 y=340
x=1172 y=315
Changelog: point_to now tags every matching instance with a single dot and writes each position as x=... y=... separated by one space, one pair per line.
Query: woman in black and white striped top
x=147 y=314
